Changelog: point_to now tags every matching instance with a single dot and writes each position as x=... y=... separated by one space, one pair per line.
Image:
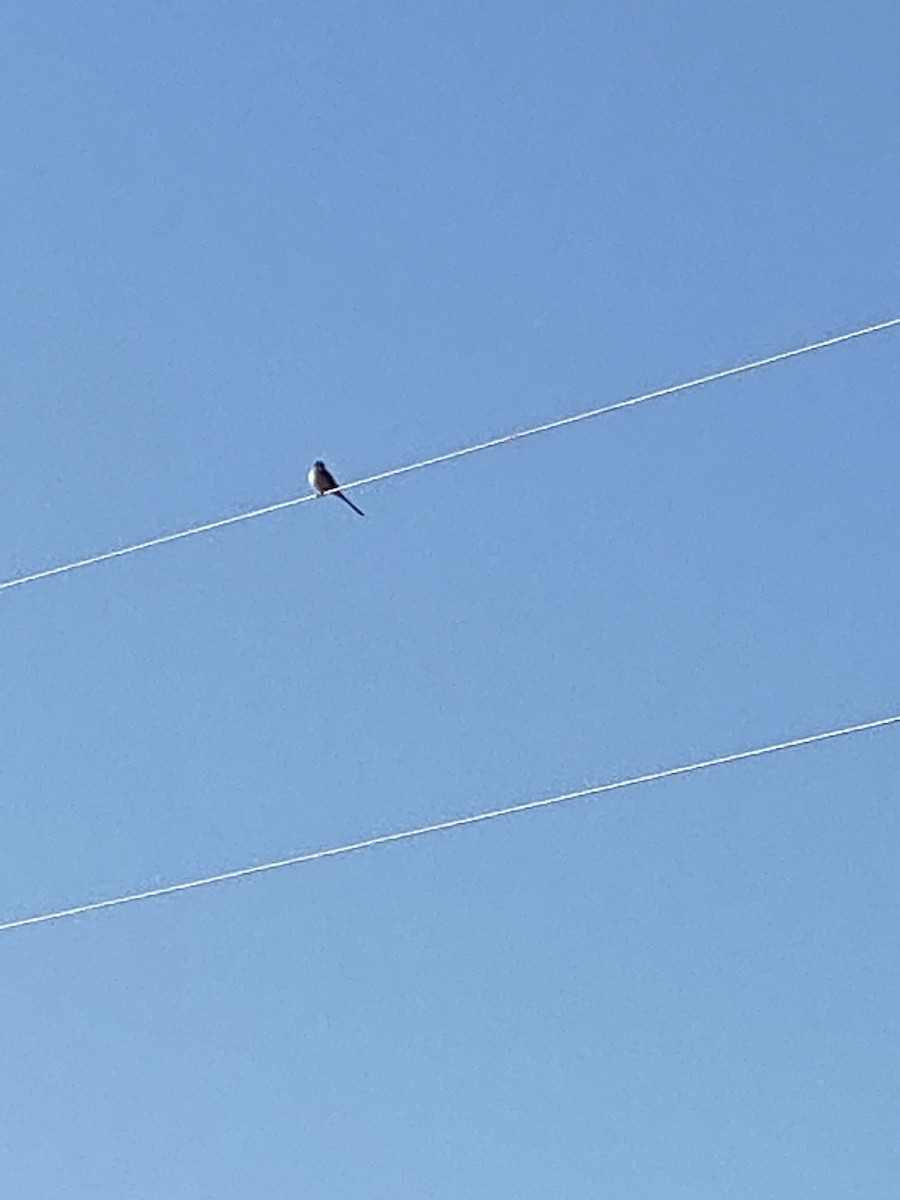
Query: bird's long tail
x=347 y=501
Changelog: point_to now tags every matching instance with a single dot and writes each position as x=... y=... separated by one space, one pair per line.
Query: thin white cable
x=163 y=539
x=442 y=826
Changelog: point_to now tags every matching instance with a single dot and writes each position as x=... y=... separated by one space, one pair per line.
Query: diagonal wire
x=406 y=835
x=503 y=440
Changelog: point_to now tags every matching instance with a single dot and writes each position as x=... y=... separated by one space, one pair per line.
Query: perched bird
x=322 y=481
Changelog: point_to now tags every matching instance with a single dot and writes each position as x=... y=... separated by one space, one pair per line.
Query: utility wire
x=442 y=826
x=209 y=526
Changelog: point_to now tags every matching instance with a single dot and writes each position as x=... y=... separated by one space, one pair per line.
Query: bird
x=322 y=481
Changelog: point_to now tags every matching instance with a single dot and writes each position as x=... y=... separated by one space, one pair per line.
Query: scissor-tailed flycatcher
x=322 y=481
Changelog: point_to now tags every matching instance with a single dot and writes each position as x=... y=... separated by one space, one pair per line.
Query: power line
x=442 y=826
x=209 y=526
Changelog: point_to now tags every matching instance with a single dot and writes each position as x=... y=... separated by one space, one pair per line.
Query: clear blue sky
x=240 y=236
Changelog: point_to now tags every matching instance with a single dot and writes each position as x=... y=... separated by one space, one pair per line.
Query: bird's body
x=323 y=482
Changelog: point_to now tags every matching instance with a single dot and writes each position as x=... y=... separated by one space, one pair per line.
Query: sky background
x=237 y=237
